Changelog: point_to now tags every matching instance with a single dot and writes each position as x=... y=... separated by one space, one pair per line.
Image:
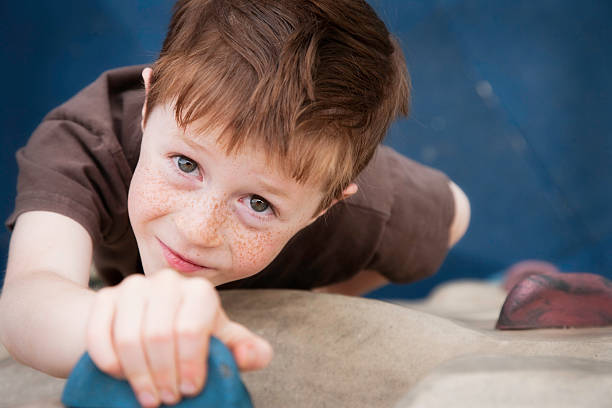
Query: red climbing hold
x=554 y=299
x=521 y=270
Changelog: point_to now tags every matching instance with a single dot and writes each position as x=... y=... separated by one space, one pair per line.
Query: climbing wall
x=510 y=99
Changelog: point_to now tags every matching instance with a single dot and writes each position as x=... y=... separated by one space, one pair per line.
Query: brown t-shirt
x=80 y=160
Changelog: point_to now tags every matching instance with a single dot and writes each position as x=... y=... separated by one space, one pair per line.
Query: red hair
x=315 y=83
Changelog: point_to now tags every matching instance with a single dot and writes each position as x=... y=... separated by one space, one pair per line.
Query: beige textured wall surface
x=499 y=381
x=337 y=351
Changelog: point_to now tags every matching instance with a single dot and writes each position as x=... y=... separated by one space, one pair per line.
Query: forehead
x=248 y=159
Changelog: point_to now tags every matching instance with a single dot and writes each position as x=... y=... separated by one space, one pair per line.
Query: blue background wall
x=511 y=99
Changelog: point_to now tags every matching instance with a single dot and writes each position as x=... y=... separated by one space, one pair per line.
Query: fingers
x=250 y=351
x=158 y=335
x=100 y=343
x=194 y=323
x=200 y=316
x=254 y=353
x=155 y=332
x=127 y=328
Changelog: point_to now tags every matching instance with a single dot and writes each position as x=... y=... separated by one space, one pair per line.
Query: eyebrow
x=265 y=185
x=272 y=189
x=190 y=140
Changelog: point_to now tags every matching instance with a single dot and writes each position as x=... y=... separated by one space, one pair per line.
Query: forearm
x=43 y=321
x=363 y=282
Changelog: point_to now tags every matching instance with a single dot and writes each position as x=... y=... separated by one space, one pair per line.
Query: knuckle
x=134 y=290
x=166 y=273
x=141 y=381
x=105 y=294
x=166 y=283
x=108 y=365
x=203 y=287
x=92 y=339
x=127 y=341
x=134 y=278
x=104 y=361
x=163 y=380
x=132 y=282
x=190 y=329
x=158 y=336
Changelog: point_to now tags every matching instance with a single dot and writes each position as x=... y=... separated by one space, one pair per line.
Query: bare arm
x=368 y=280
x=49 y=317
x=45 y=303
x=363 y=282
x=461 y=220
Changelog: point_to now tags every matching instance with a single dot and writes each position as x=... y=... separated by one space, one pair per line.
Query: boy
x=254 y=122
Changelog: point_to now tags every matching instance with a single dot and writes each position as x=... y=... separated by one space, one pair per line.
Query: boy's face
x=203 y=213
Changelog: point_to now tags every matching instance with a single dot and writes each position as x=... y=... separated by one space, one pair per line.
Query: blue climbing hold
x=88 y=387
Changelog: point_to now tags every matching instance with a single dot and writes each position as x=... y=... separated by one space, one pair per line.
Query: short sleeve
x=79 y=160
x=414 y=242
x=69 y=169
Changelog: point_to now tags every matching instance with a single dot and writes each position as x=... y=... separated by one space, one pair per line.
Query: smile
x=177 y=262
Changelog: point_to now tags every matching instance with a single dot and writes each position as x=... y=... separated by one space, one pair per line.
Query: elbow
x=11 y=324
x=461 y=219
x=6 y=345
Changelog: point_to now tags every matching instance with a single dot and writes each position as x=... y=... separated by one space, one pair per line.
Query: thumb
x=250 y=351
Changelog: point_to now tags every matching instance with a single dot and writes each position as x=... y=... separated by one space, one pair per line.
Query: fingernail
x=147 y=399
x=251 y=354
x=167 y=396
x=187 y=388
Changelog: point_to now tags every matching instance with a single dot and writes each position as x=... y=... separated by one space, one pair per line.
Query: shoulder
x=78 y=161
x=115 y=95
x=107 y=111
x=375 y=184
x=390 y=179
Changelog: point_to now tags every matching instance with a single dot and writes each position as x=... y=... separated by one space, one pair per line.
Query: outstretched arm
x=45 y=302
x=153 y=331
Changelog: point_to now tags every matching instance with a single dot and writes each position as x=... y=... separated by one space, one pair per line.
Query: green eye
x=186 y=164
x=259 y=204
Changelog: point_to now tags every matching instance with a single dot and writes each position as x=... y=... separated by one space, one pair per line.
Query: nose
x=201 y=224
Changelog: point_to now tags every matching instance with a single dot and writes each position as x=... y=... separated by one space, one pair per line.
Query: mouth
x=178 y=262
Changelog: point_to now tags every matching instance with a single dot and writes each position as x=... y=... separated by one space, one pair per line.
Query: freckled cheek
x=149 y=196
x=253 y=251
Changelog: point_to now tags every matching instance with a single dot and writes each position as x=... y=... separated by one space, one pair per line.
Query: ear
x=146 y=77
x=349 y=191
